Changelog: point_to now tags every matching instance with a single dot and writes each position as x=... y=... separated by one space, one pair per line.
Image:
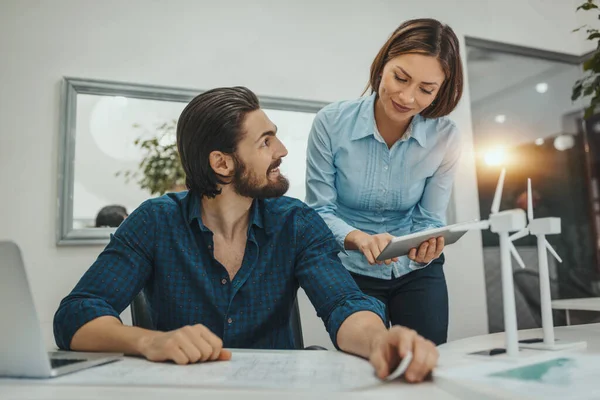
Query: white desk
x=44 y=389
x=452 y=354
x=586 y=304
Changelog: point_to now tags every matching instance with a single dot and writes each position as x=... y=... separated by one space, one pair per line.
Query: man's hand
x=389 y=347
x=186 y=345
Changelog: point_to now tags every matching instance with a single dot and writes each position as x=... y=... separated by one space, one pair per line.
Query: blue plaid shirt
x=164 y=247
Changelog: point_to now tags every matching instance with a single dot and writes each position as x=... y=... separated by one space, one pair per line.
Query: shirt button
x=210 y=246
x=385 y=168
x=224 y=281
x=229 y=320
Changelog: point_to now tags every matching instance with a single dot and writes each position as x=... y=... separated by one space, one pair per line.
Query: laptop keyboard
x=61 y=362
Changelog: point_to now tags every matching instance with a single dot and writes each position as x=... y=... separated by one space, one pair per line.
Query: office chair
x=141 y=316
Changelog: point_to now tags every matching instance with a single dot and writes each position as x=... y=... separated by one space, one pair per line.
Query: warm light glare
x=539 y=141
x=500 y=118
x=495 y=157
x=564 y=142
x=541 y=87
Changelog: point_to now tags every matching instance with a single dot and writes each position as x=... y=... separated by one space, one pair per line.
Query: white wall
x=314 y=50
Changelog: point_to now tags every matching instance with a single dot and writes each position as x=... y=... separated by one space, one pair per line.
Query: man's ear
x=221 y=163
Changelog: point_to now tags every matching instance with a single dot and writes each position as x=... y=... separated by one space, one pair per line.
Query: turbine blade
x=481 y=225
x=529 y=202
x=516 y=255
x=498 y=194
x=521 y=234
x=552 y=251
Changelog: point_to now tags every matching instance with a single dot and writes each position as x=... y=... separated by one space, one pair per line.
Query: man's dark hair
x=111 y=216
x=212 y=121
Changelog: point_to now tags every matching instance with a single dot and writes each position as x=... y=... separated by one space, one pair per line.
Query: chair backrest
x=141 y=315
x=297 y=326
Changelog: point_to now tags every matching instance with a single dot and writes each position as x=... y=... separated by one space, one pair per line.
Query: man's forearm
x=108 y=334
x=358 y=332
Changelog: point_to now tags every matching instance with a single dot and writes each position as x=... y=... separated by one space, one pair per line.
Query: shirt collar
x=195 y=212
x=416 y=129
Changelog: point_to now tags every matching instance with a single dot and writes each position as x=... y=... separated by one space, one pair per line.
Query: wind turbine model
x=541 y=227
x=502 y=223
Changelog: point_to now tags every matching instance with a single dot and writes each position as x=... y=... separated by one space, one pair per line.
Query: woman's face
x=409 y=84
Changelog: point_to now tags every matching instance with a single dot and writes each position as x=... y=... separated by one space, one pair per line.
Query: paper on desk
x=302 y=370
x=551 y=376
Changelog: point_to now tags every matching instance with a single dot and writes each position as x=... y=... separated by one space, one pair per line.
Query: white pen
x=399 y=371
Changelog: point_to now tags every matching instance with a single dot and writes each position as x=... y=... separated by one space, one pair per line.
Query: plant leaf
x=594 y=35
x=587 y=6
x=577 y=91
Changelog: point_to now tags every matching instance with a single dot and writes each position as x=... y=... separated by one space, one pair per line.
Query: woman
x=383 y=166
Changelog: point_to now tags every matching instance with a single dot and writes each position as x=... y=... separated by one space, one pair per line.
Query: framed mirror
x=115 y=136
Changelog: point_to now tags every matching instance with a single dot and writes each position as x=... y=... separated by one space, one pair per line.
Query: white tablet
x=401 y=246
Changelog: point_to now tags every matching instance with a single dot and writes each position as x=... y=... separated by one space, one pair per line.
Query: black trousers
x=417 y=300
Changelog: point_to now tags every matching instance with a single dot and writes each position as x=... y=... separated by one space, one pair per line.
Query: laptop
x=23 y=353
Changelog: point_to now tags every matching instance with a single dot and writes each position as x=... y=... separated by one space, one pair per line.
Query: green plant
x=160 y=170
x=589 y=85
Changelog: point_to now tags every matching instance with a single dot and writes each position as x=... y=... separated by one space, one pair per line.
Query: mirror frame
x=71 y=87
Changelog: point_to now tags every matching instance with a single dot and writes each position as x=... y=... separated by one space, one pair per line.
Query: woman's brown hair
x=432 y=38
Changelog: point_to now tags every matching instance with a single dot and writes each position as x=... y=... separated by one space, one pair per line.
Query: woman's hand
x=427 y=251
x=370 y=245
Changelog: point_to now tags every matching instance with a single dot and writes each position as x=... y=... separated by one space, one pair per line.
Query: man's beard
x=246 y=183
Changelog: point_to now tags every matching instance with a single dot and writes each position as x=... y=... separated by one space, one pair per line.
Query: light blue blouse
x=355 y=182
